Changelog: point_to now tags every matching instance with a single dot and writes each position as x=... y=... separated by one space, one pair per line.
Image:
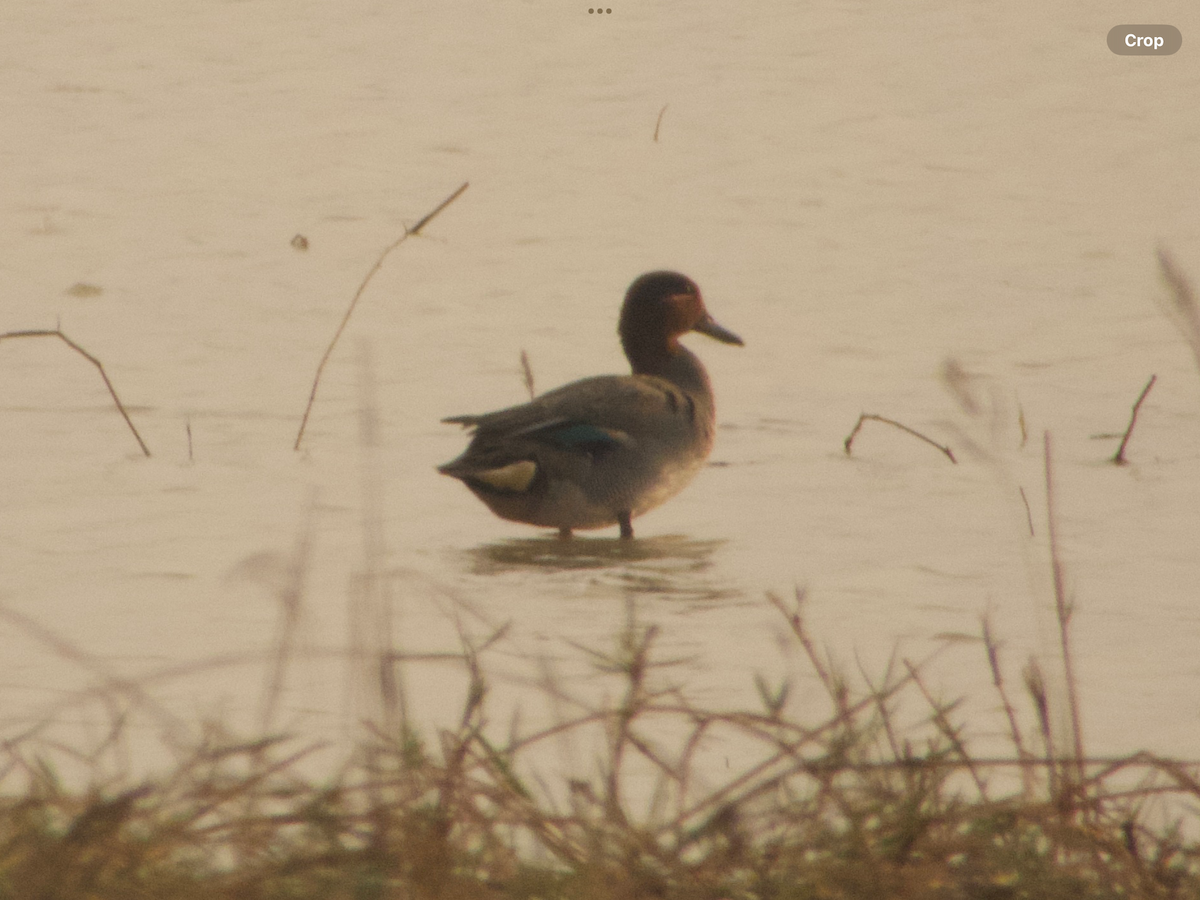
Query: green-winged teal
x=601 y=451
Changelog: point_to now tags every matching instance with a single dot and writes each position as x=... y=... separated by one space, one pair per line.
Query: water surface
x=861 y=194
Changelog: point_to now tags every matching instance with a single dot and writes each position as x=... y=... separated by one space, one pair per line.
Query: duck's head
x=658 y=308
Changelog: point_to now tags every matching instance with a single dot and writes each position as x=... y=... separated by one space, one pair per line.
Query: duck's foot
x=564 y=534
x=626 y=525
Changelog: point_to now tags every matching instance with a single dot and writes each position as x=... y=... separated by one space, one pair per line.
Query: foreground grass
x=852 y=806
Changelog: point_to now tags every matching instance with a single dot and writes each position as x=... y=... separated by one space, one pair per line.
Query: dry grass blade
x=855 y=804
x=1064 y=609
x=1028 y=511
x=416 y=229
x=795 y=620
x=455 y=828
x=527 y=374
x=290 y=594
x=128 y=688
x=658 y=122
x=991 y=645
x=1183 y=309
x=57 y=332
x=941 y=719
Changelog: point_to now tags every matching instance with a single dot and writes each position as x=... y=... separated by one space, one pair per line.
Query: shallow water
x=861 y=195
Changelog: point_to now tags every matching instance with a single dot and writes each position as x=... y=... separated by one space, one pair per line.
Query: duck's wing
x=586 y=454
x=606 y=410
x=557 y=432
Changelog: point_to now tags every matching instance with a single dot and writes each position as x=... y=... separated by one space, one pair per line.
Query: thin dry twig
x=788 y=761
x=1028 y=512
x=659 y=122
x=946 y=728
x=896 y=743
x=877 y=418
x=58 y=333
x=795 y=620
x=312 y=395
x=1119 y=457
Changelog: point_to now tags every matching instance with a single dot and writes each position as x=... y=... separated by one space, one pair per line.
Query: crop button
x=1144 y=40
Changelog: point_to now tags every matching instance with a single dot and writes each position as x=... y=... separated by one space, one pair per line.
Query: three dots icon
x=598 y=10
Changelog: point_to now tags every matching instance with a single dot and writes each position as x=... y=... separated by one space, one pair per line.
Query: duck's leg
x=564 y=534
x=626 y=525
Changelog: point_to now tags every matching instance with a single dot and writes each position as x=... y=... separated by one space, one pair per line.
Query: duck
x=603 y=450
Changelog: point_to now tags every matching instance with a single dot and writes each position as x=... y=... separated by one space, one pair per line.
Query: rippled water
x=862 y=194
